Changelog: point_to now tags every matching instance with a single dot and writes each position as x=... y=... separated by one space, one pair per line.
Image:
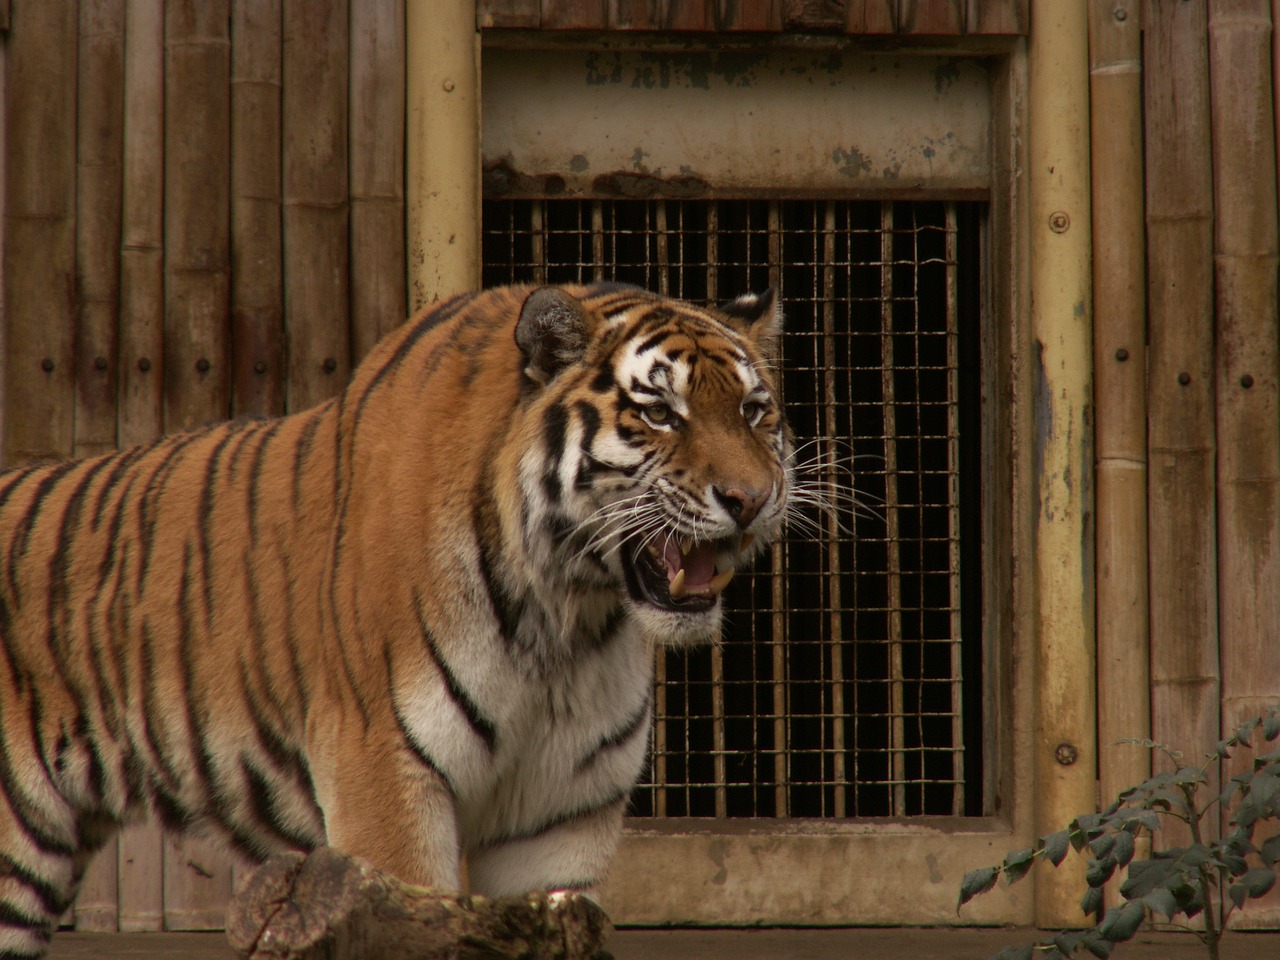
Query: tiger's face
x=677 y=470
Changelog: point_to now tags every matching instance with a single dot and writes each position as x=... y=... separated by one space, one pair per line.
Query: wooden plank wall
x=188 y=185
x=203 y=216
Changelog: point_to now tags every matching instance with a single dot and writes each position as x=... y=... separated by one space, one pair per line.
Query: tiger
x=416 y=622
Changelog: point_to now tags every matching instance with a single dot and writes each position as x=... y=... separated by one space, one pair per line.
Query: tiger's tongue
x=699 y=564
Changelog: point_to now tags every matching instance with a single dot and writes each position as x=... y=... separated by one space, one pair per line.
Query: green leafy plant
x=1209 y=877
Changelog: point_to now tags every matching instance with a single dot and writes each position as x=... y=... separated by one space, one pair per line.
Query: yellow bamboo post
x=1119 y=357
x=1245 y=255
x=442 y=148
x=1058 y=146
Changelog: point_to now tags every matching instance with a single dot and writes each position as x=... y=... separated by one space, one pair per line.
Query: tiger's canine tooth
x=721 y=580
x=676 y=586
x=686 y=544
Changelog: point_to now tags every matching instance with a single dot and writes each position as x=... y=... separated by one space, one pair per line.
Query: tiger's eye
x=658 y=412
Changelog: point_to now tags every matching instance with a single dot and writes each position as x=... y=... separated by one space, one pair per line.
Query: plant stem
x=1207 y=885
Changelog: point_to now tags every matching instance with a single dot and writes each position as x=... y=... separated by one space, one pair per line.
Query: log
x=331 y=905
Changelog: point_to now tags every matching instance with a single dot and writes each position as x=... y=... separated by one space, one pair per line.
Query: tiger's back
x=414 y=622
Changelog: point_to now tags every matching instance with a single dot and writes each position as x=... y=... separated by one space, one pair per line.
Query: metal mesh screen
x=848 y=683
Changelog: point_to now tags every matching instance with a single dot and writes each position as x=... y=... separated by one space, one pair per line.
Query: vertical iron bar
x=953 y=508
x=597 y=241
x=538 y=231
x=834 y=604
x=717 y=653
x=897 y=733
x=781 y=773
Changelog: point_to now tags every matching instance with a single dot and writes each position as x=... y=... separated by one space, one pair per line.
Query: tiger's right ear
x=552 y=332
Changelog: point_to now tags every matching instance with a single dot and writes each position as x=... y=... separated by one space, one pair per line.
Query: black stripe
x=18 y=547
x=555 y=428
x=625 y=734
x=481 y=725
x=651 y=342
x=153 y=490
x=506 y=609
x=25 y=811
x=118 y=473
x=208 y=502
x=186 y=644
x=39 y=927
x=302 y=451
x=255 y=476
x=425 y=325
x=262 y=801
x=415 y=747
x=53 y=899
x=14 y=478
x=153 y=721
x=560 y=819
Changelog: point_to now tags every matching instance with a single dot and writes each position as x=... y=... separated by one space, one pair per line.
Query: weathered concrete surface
x=772 y=944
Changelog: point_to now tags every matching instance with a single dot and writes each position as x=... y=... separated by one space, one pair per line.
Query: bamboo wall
x=205 y=218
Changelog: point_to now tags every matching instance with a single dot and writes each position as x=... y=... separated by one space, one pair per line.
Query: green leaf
x=1097 y=945
x=1271 y=725
x=1124 y=848
x=1100 y=871
x=1067 y=941
x=1091 y=902
x=1017 y=864
x=1122 y=922
x=1270 y=850
x=1056 y=846
x=1161 y=901
x=1101 y=846
x=976 y=882
x=1258 y=882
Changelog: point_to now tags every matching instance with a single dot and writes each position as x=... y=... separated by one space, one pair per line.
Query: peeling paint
x=716 y=852
x=851 y=163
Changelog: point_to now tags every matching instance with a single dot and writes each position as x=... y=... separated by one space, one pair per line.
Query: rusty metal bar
x=953 y=507
x=782 y=806
x=897 y=732
x=835 y=613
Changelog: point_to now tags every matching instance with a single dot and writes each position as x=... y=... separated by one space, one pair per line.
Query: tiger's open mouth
x=677 y=573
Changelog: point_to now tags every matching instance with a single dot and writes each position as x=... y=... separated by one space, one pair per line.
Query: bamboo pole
x=442 y=149
x=1246 y=257
x=99 y=149
x=316 y=200
x=40 y=226
x=378 y=293
x=257 y=270
x=142 y=224
x=1180 y=426
x=99 y=154
x=197 y=201
x=141 y=332
x=196 y=208
x=1058 y=145
x=1119 y=357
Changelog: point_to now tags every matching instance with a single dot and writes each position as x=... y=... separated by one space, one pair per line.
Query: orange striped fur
x=414 y=622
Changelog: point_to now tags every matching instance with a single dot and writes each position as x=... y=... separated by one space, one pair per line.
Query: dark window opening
x=849 y=680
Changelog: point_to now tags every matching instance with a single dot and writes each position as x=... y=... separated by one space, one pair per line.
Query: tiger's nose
x=742 y=505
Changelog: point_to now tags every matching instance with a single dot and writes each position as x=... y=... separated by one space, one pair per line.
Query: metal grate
x=849 y=680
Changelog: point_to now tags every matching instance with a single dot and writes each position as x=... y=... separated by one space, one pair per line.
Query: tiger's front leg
x=383 y=803
x=569 y=853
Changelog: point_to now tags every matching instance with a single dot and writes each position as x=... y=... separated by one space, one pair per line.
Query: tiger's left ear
x=553 y=331
x=758 y=316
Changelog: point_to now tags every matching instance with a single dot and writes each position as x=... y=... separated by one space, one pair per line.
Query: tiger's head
x=666 y=453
